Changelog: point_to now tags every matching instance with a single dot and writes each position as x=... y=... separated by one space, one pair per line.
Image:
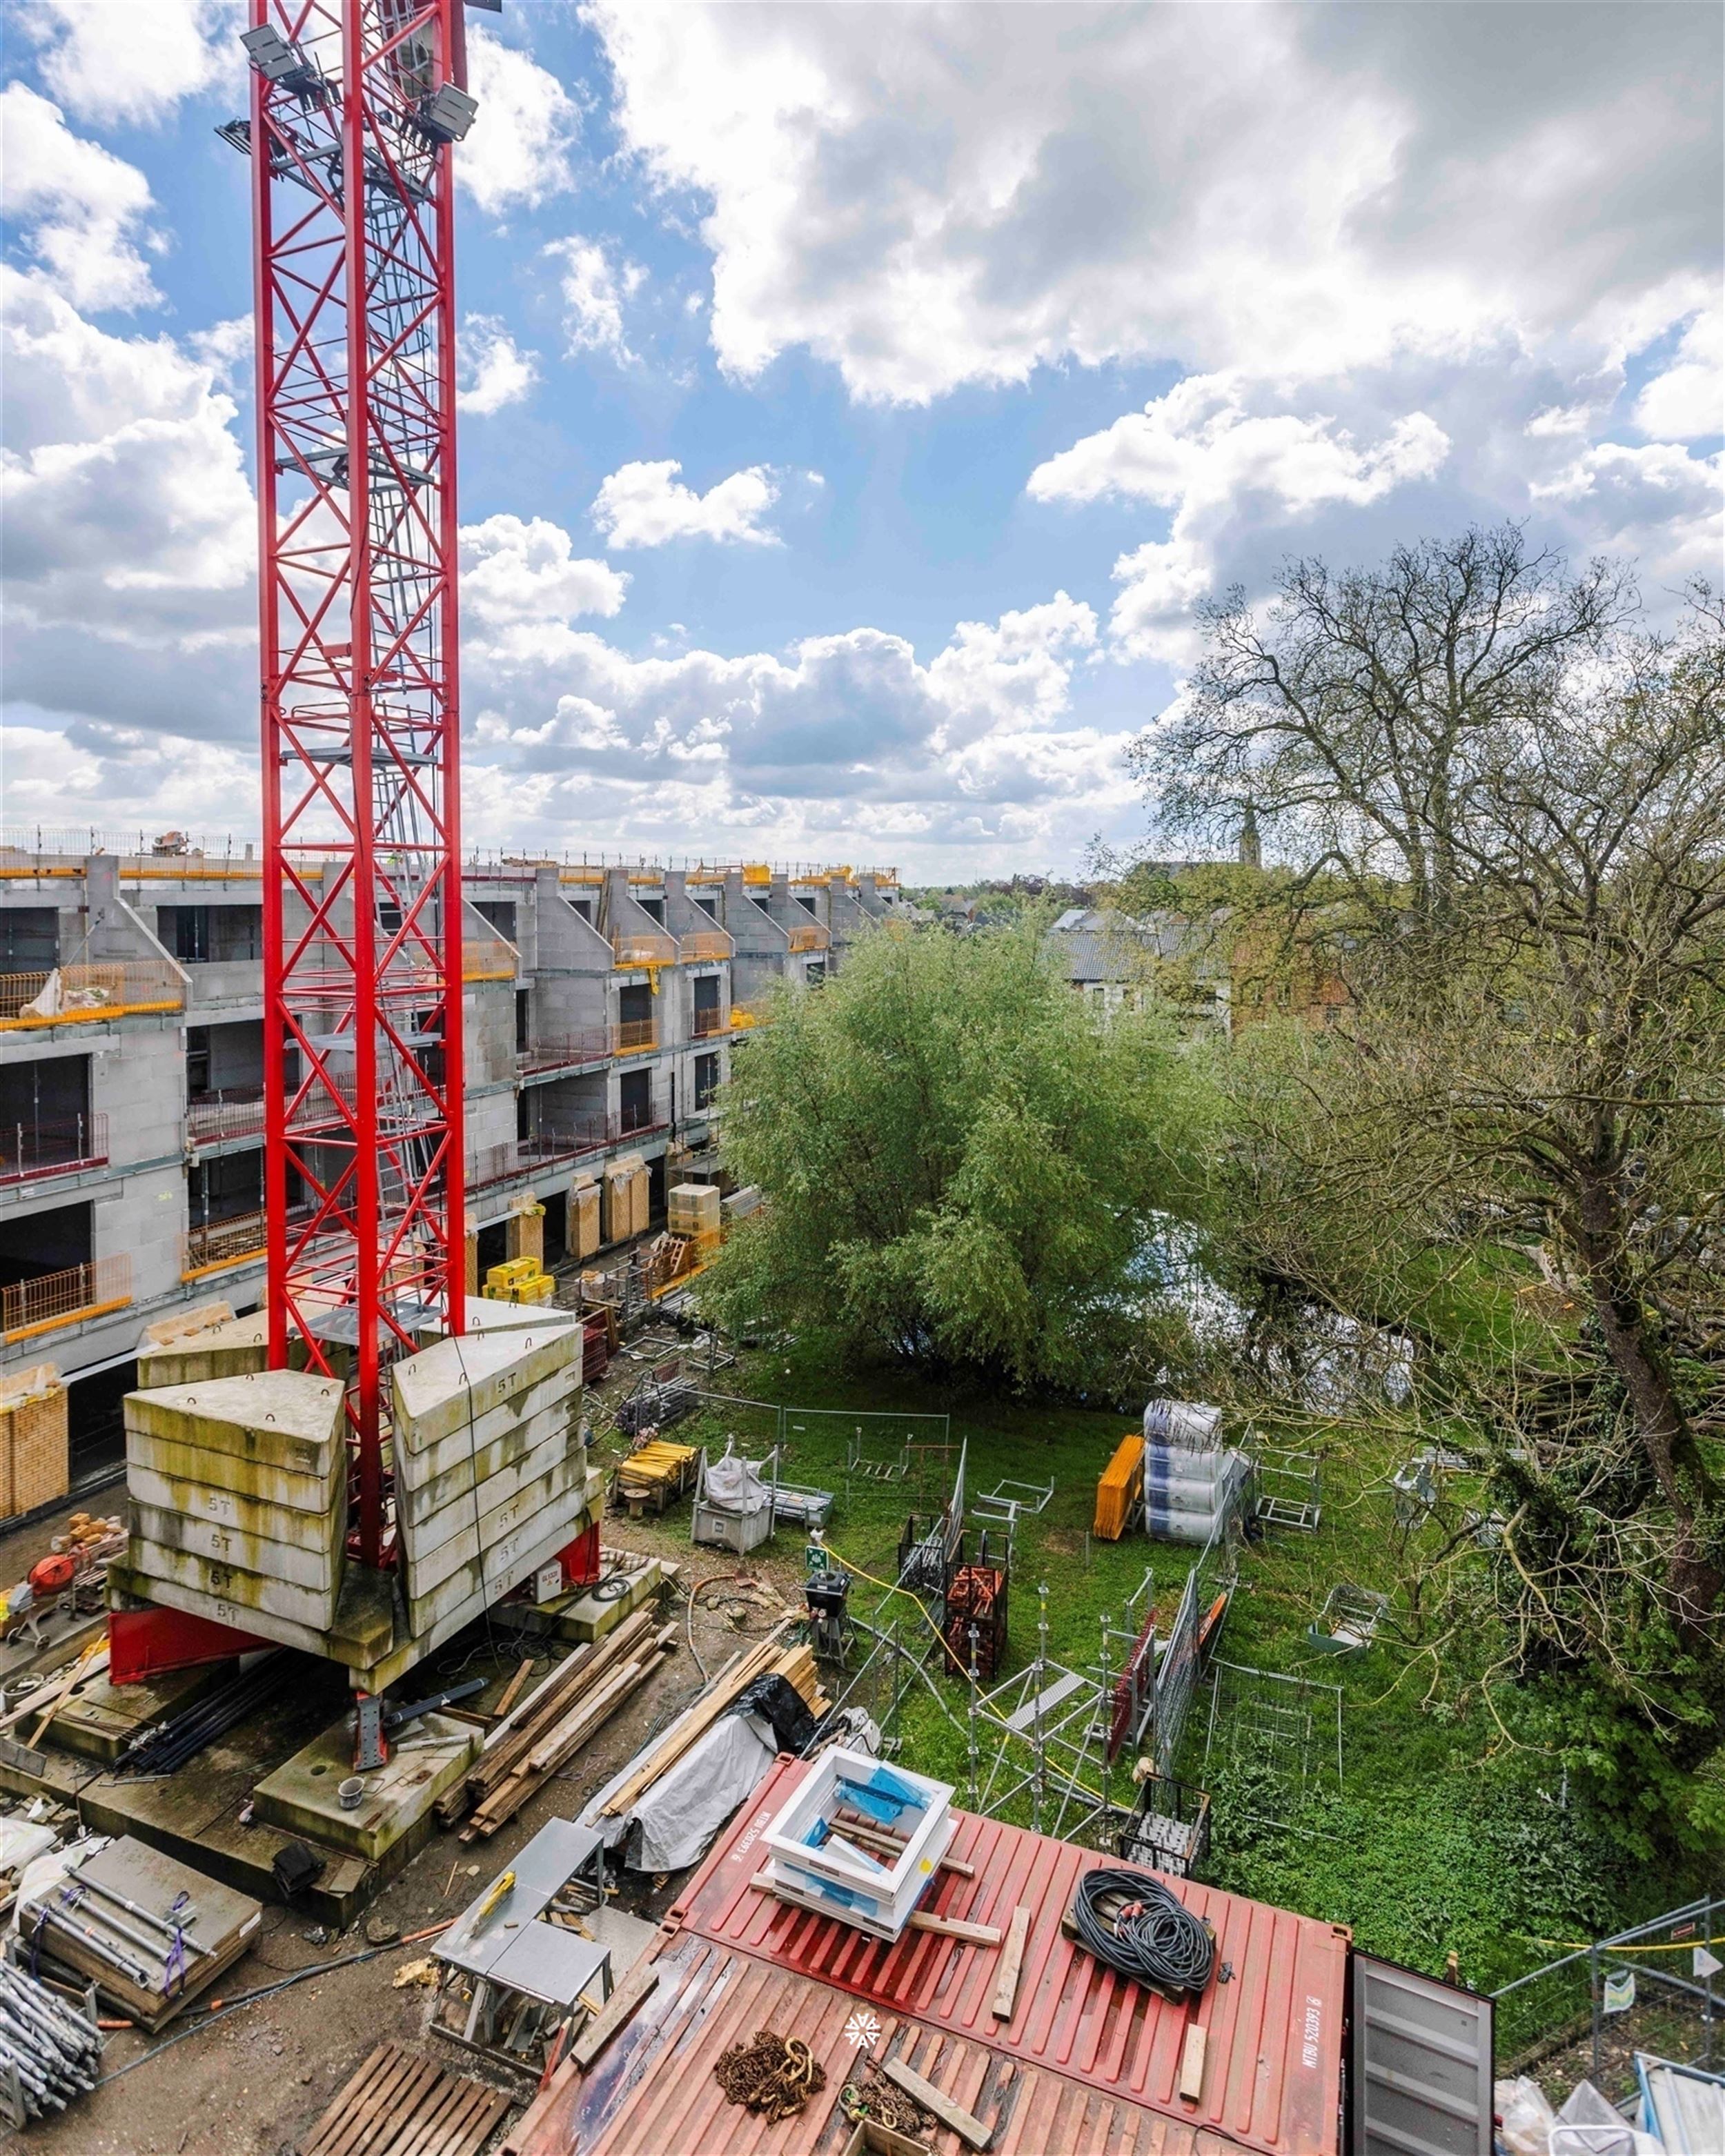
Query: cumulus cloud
x=647 y=505
x=1289 y=190
x=109 y=60
x=495 y=371
x=516 y=154
x=1204 y=452
x=514 y=572
x=1686 y=402
x=78 y=205
x=594 y=290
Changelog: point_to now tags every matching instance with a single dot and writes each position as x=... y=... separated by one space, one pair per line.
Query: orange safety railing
x=228 y=1242
x=57 y=1145
x=491 y=959
x=705 y=943
x=69 y=995
x=633 y=1036
x=644 y=947
x=64 y=1298
x=710 y=1022
x=812 y=937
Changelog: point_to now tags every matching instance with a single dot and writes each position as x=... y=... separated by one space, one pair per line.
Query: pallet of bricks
x=34 y=1461
x=548 y=1725
x=693 y=1212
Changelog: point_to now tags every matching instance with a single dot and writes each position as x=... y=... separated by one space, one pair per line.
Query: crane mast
x=354 y=107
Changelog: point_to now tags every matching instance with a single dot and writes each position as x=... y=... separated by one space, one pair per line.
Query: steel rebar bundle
x=165 y=1747
x=55 y=2053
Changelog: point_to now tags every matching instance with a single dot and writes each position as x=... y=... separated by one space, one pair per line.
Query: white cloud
x=516 y=154
x=514 y=572
x=593 y=293
x=110 y=60
x=1686 y=403
x=646 y=505
x=1202 y=451
x=497 y=372
x=1290 y=191
x=1657 y=502
x=78 y=204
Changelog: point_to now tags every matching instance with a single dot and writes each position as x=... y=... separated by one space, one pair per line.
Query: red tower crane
x=354 y=107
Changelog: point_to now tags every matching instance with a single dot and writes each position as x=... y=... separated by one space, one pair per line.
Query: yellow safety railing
x=705 y=943
x=644 y=947
x=215 y=1244
x=489 y=960
x=633 y=1036
x=73 y=995
x=65 y=1298
x=813 y=937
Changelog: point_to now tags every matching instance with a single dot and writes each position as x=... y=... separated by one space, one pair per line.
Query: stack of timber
x=653 y=1477
x=1119 y=1492
x=769 y=1658
x=490 y=1473
x=553 y=1721
x=239 y=1500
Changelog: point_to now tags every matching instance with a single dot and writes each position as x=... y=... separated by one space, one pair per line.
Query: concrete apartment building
x=601 y=1003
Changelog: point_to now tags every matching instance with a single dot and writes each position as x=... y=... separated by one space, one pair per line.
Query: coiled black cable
x=1132 y=1922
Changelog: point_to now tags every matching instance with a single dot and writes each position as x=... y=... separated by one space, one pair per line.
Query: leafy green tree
x=962 y=1164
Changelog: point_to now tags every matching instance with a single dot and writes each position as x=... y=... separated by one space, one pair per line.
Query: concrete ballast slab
x=458 y=1539
x=301 y=1794
x=305 y=1491
x=560 y=1393
x=459 y=1495
x=445 y=1388
x=247 y=1591
x=302 y=1525
x=302 y=1563
x=277 y=1418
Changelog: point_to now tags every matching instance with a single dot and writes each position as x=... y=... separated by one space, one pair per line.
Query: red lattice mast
x=355 y=105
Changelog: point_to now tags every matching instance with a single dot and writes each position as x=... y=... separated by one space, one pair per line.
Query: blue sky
x=986 y=340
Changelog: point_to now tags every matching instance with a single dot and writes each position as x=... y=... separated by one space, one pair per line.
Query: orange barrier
x=1121 y=1490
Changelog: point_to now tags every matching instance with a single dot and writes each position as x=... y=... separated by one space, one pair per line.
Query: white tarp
x=673 y=1822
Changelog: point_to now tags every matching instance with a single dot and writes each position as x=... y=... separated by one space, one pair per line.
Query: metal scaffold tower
x=355 y=106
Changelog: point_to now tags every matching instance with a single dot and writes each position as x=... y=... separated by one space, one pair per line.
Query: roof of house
x=1089 y=2059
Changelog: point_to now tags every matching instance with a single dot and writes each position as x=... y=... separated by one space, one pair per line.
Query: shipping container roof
x=1080 y=2034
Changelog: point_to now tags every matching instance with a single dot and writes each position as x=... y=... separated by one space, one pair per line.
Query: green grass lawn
x=1442 y=1839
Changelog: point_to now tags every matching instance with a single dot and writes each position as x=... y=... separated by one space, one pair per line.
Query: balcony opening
x=29 y=939
x=501 y=912
x=523 y=1020
x=39 y=1244
x=224 y=1188
x=654 y=908
x=583 y=907
x=655 y=1189
x=807 y=904
x=634 y=1099
x=493 y=1247
x=815 y=972
x=46 y=1125
x=557 y=1207
x=706 y=1080
x=211 y=935
x=95 y=1432
x=709 y=906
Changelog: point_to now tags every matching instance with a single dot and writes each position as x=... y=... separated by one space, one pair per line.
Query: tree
x=1356 y=725
x=1547 y=1072
x=961 y=1166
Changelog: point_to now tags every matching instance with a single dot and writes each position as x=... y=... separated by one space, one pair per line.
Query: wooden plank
x=1006 y=1988
x=623 y=2002
x=418 y=2131
x=485 y=2109
x=46 y=1699
x=965 y=2124
x=953 y=1928
x=1192 y=2065
x=511 y=1691
x=522 y=2133
x=735 y=1678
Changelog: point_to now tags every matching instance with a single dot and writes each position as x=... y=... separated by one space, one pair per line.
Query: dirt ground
x=252 y=2081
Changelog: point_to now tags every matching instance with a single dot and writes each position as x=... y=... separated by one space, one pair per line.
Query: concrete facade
x=601 y=1003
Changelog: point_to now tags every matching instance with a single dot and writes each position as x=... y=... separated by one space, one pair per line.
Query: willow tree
x=961 y=1163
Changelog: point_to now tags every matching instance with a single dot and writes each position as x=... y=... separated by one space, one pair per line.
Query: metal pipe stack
x=54 y=2053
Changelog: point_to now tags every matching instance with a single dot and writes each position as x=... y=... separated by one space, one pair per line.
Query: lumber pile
x=653 y=1477
x=551 y=1722
x=769 y=1657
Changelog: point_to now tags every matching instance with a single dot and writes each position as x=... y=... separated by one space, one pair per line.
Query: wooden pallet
x=402 y=2104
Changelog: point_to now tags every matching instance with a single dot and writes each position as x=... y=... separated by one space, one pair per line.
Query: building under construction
x=601 y=1003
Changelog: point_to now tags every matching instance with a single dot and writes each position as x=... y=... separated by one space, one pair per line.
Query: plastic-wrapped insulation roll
x=1148 y=1933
